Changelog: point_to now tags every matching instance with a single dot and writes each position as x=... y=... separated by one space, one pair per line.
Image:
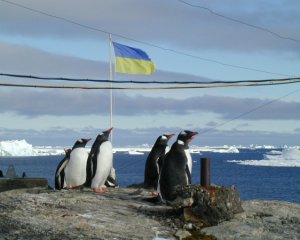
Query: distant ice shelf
x=16 y=148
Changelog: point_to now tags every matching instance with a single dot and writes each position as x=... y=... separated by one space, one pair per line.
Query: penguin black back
x=154 y=160
x=173 y=172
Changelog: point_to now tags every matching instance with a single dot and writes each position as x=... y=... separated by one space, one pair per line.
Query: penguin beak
x=170 y=136
x=109 y=130
x=86 y=139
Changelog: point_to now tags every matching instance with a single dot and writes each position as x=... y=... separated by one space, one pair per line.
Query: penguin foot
x=155 y=194
x=98 y=190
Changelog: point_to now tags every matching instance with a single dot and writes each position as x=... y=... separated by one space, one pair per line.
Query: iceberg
x=21 y=148
x=223 y=149
x=16 y=148
x=134 y=152
x=288 y=157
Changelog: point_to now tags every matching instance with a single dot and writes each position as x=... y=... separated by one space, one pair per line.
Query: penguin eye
x=164 y=137
x=80 y=140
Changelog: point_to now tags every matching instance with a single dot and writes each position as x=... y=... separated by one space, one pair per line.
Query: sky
x=190 y=40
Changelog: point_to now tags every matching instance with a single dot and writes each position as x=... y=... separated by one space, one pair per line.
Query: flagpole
x=110 y=78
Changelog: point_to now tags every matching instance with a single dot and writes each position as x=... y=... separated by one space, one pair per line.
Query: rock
x=69 y=214
x=262 y=220
x=182 y=234
x=40 y=213
x=17 y=183
x=212 y=206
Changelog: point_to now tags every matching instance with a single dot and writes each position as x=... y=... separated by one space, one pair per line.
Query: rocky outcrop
x=133 y=213
x=212 y=205
x=261 y=220
x=69 y=214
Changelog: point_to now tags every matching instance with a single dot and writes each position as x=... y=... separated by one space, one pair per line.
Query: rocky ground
x=267 y=220
x=126 y=214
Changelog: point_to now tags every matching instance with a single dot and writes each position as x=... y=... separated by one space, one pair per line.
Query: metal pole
x=205 y=172
x=110 y=78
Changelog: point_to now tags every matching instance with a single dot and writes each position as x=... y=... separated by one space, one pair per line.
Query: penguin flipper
x=188 y=173
x=88 y=172
x=60 y=173
x=89 y=164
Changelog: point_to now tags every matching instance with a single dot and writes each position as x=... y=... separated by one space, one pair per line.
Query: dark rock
x=212 y=205
x=7 y=184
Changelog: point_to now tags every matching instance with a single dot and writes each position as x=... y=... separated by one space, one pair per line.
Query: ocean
x=252 y=181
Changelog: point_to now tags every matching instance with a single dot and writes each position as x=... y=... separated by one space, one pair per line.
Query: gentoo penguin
x=75 y=170
x=60 y=170
x=154 y=160
x=176 y=167
x=100 y=162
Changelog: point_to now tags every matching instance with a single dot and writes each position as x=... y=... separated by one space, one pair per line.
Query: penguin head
x=186 y=136
x=81 y=142
x=163 y=139
x=104 y=135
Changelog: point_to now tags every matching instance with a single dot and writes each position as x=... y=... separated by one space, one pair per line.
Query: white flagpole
x=110 y=78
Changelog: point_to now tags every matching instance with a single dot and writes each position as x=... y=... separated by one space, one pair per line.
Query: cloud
x=133 y=137
x=27 y=60
x=175 y=24
x=34 y=103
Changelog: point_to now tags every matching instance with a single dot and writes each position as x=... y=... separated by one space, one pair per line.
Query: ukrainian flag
x=132 y=60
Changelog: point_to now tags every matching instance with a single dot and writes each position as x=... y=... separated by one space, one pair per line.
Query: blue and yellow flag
x=132 y=60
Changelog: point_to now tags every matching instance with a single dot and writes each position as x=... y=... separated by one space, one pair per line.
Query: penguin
x=100 y=162
x=176 y=168
x=154 y=160
x=60 y=170
x=75 y=170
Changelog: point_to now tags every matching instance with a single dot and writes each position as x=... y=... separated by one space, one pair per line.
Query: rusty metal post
x=205 y=172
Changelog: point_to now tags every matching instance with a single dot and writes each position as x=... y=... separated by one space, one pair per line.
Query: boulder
x=211 y=206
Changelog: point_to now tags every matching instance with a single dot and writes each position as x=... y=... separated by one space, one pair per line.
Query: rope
x=144 y=82
x=149 y=88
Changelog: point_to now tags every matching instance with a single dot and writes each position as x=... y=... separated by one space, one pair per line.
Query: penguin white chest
x=75 y=171
x=104 y=164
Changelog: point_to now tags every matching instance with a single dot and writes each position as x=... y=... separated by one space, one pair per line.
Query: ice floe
x=288 y=157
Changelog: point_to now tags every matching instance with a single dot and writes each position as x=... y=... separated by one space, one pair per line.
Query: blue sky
x=38 y=44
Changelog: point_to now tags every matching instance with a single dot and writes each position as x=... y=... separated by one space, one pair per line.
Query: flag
x=132 y=60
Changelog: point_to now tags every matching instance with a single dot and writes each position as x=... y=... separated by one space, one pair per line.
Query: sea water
x=252 y=181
